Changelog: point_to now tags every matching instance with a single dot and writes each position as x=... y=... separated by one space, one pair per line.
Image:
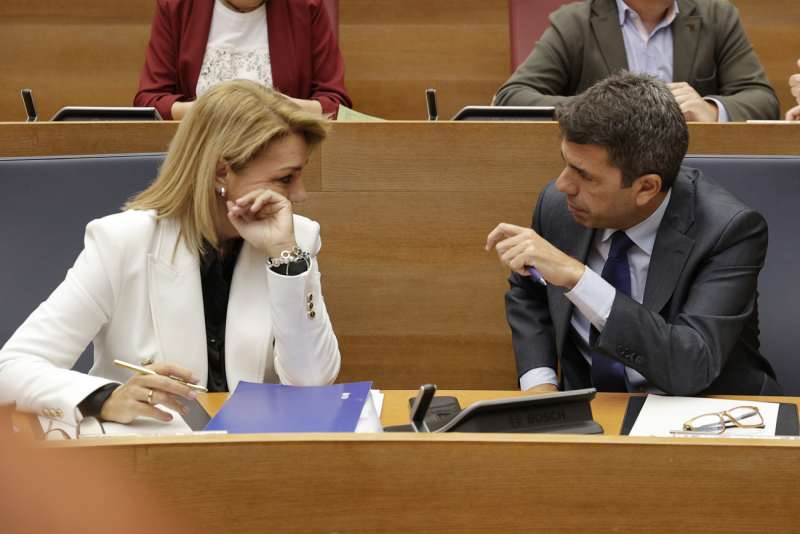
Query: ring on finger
x=150 y=397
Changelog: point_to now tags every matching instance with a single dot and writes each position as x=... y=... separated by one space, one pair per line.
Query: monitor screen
x=505 y=113
x=78 y=113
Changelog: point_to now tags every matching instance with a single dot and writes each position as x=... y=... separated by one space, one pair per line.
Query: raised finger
x=501 y=232
x=266 y=199
x=794 y=79
x=512 y=241
x=526 y=247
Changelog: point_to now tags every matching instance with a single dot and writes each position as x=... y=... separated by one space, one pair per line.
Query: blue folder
x=256 y=408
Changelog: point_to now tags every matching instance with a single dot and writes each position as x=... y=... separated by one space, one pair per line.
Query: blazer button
x=312 y=314
x=148 y=360
x=310 y=297
x=310 y=306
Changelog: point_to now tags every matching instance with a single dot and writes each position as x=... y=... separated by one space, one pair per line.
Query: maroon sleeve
x=327 y=77
x=158 y=83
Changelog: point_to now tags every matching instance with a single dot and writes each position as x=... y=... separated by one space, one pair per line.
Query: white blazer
x=135 y=292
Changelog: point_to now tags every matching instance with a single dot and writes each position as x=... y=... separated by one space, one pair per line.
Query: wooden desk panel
x=91 y=52
x=464 y=482
x=405 y=209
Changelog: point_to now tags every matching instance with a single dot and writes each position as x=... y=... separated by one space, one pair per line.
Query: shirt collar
x=624 y=9
x=643 y=234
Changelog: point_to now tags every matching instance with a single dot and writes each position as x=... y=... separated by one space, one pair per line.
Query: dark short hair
x=636 y=118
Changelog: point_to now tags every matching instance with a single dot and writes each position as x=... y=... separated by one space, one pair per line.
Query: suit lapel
x=176 y=301
x=577 y=246
x=672 y=246
x=607 y=33
x=685 y=35
x=248 y=323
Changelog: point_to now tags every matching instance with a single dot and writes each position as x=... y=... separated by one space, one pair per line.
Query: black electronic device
x=430 y=100
x=419 y=408
x=30 y=108
x=80 y=113
x=505 y=113
x=567 y=412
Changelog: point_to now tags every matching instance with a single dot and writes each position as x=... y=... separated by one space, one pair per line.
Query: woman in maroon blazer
x=303 y=62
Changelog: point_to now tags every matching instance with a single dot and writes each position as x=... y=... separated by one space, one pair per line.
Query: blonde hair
x=232 y=123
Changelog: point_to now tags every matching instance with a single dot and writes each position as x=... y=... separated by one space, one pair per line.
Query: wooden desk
x=464 y=482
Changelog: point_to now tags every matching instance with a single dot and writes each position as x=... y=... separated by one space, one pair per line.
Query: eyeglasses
x=717 y=423
x=60 y=433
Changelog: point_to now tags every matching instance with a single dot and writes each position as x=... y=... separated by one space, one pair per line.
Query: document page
x=660 y=415
x=141 y=426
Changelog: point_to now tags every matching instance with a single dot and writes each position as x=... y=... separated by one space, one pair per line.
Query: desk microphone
x=30 y=109
x=420 y=407
x=430 y=99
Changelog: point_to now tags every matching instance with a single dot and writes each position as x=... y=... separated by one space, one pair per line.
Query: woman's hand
x=264 y=219
x=141 y=393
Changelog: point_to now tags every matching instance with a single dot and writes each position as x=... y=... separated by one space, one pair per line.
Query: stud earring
x=221 y=192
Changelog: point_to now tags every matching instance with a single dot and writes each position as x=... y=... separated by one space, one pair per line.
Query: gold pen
x=146 y=371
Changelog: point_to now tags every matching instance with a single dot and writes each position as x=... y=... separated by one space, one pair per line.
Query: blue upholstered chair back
x=45 y=205
x=771 y=185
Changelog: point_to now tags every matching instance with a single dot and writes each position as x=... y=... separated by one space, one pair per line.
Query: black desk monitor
x=79 y=113
x=505 y=113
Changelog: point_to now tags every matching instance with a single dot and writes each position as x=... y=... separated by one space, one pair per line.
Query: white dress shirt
x=593 y=296
x=652 y=52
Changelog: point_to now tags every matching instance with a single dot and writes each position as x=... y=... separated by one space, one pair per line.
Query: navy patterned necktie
x=608 y=374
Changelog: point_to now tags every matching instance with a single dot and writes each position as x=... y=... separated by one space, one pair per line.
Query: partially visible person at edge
x=794 y=85
x=699 y=48
x=288 y=45
x=207 y=275
x=651 y=268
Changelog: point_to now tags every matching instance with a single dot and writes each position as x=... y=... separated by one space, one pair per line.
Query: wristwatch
x=290 y=262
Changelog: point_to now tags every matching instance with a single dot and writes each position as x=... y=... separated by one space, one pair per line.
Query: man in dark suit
x=699 y=45
x=645 y=271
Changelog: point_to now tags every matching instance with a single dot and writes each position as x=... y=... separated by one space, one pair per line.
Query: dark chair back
x=47 y=202
x=771 y=185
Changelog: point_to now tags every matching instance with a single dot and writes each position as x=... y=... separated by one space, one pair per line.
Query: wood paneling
x=90 y=52
x=82 y=53
x=462 y=482
x=395 y=50
x=405 y=209
x=772 y=29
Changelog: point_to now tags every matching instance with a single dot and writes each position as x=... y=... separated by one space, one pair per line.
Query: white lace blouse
x=237 y=48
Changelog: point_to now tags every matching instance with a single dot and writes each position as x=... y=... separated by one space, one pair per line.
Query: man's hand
x=693 y=106
x=542 y=388
x=793 y=114
x=519 y=248
x=794 y=84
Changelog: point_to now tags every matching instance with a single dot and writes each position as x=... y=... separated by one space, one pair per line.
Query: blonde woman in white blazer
x=233 y=171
